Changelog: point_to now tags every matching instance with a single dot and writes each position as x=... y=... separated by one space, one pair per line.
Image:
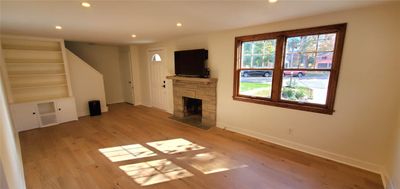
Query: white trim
x=4 y=71
x=131 y=78
x=10 y=154
x=66 y=68
x=306 y=149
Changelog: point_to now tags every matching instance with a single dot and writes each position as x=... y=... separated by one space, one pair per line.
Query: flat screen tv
x=191 y=63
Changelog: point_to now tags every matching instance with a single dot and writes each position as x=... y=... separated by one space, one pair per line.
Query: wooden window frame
x=275 y=100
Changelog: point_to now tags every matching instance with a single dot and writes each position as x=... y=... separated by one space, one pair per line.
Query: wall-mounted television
x=191 y=63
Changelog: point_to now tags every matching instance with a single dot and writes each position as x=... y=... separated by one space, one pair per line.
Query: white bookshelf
x=36 y=68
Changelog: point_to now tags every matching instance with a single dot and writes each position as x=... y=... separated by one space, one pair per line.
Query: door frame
x=131 y=86
x=162 y=54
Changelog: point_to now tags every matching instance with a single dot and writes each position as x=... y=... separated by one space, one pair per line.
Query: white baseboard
x=306 y=149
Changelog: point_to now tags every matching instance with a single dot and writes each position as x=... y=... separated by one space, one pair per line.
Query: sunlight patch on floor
x=211 y=162
x=163 y=170
x=174 y=146
x=153 y=172
x=127 y=152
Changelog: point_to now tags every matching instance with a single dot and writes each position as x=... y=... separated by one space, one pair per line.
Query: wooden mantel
x=193 y=79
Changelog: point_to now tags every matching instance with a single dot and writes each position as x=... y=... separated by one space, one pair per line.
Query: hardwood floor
x=152 y=151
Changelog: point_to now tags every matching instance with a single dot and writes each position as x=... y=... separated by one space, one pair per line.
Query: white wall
x=3 y=181
x=10 y=153
x=366 y=99
x=87 y=84
x=105 y=59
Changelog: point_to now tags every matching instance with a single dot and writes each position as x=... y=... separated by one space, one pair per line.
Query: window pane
x=309 y=43
x=302 y=44
x=302 y=52
x=270 y=47
x=293 y=44
x=258 y=54
x=326 y=42
x=269 y=61
x=310 y=86
x=246 y=61
x=307 y=60
x=258 y=47
x=247 y=46
x=324 y=60
x=255 y=83
x=257 y=61
x=292 y=60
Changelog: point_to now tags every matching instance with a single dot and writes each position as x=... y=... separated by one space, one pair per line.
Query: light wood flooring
x=140 y=147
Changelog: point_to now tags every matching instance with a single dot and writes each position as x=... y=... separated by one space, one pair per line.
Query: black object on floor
x=94 y=107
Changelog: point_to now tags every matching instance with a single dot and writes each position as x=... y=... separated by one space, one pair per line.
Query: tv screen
x=191 y=62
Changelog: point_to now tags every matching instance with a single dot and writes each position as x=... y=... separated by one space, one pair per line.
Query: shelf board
x=35 y=60
x=36 y=75
x=29 y=44
x=41 y=86
x=34 y=63
x=33 y=50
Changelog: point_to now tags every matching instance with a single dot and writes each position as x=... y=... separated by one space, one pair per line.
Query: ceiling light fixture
x=179 y=24
x=85 y=4
x=58 y=27
x=133 y=35
x=272 y=1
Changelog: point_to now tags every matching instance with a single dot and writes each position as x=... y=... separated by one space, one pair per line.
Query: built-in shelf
x=35 y=68
x=194 y=79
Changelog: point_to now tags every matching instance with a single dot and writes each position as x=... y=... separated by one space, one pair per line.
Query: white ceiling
x=115 y=21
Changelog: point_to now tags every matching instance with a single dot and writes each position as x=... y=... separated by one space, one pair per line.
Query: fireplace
x=192 y=107
x=195 y=101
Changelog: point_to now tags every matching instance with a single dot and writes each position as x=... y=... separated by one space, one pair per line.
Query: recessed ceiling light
x=58 y=27
x=133 y=35
x=85 y=4
x=179 y=24
x=272 y=1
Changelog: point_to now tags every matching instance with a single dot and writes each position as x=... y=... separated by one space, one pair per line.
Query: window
x=295 y=69
x=156 y=58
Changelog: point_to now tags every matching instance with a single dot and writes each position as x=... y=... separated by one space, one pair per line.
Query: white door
x=158 y=74
x=126 y=75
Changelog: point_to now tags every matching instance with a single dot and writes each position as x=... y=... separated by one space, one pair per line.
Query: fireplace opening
x=192 y=106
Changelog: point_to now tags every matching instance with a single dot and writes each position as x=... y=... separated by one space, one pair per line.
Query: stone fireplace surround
x=204 y=89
